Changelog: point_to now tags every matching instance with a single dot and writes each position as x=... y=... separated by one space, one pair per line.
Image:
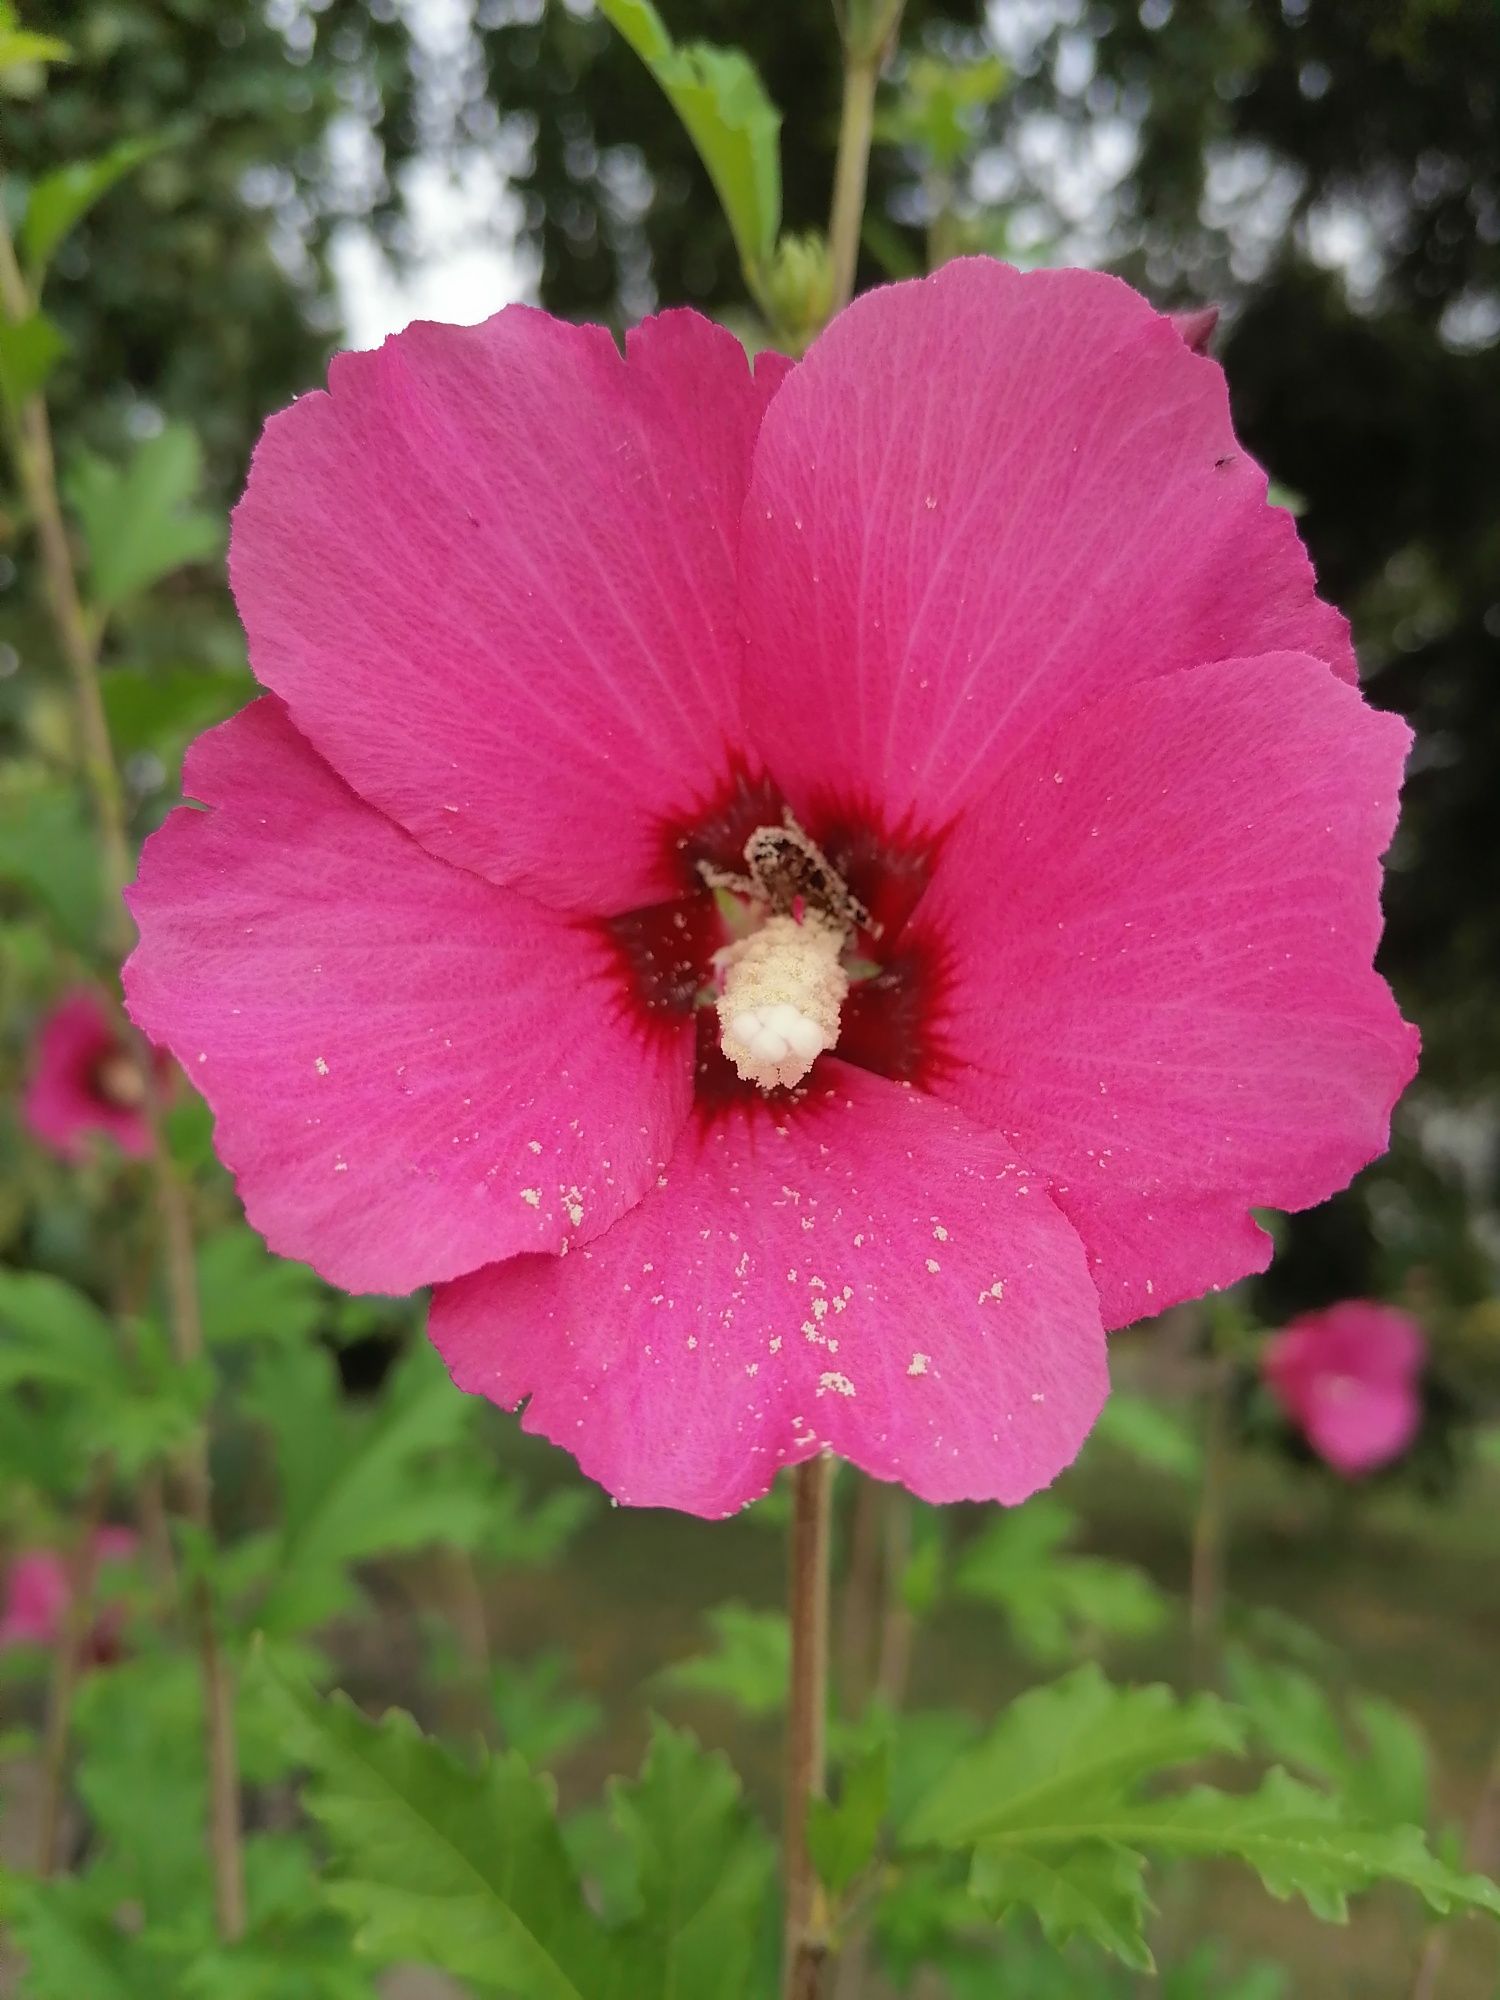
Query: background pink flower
x=37 y=1596
x=83 y=1081
x=985 y=591
x=1349 y=1378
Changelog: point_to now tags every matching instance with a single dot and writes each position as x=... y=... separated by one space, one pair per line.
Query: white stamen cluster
x=783 y=988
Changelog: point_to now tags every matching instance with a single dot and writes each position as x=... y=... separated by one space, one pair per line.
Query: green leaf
x=358 y=1482
x=1055 y=1603
x=938 y=111
x=141 y=1776
x=1300 y=1842
x=30 y=349
x=724 y=108
x=159 y=710
x=248 y=1295
x=1051 y=1800
x=749 y=1665
x=1148 y=1431
x=703 y=1868
x=1096 y=1892
x=75 y=1950
x=49 y=851
x=455 y=1866
x=52 y=1336
x=136 y=519
x=540 y=1715
x=1066 y=1753
x=1382 y=1778
x=20 y=46
x=842 y=1833
x=62 y=198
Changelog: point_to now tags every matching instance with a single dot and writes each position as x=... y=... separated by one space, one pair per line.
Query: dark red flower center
x=667 y=950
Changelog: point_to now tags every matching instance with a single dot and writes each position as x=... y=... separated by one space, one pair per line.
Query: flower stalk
x=78 y=639
x=805 y=1956
x=868 y=29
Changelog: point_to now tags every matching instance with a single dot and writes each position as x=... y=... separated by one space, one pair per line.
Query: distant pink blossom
x=38 y=1594
x=1349 y=1379
x=84 y=1082
x=725 y=1142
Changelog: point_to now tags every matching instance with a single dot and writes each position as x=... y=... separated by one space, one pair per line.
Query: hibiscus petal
x=413 y=1071
x=980 y=499
x=1156 y=936
x=1359 y=1426
x=865 y=1272
x=491 y=572
x=63 y=1104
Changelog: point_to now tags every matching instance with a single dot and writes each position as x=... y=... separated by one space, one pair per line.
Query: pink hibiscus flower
x=38 y=1593
x=724 y=1139
x=84 y=1082
x=1348 y=1378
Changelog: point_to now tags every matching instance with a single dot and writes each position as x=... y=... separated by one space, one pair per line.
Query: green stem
x=805 y=1956
x=856 y=128
x=78 y=639
x=1206 y=1586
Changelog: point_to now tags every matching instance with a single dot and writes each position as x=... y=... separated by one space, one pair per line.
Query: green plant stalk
x=805 y=1953
x=851 y=168
x=78 y=638
x=1210 y=1526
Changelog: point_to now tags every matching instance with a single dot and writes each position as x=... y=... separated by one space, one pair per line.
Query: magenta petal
x=492 y=573
x=36 y=1599
x=1348 y=1378
x=1157 y=935
x=413 y=1071
x=866 y=1272
x=1359 y=1426
x=982 y=498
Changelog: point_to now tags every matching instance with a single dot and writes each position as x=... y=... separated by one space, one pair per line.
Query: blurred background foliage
x=1329 y=176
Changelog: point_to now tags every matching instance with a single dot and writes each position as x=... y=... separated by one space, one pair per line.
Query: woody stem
x=805 y=1956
